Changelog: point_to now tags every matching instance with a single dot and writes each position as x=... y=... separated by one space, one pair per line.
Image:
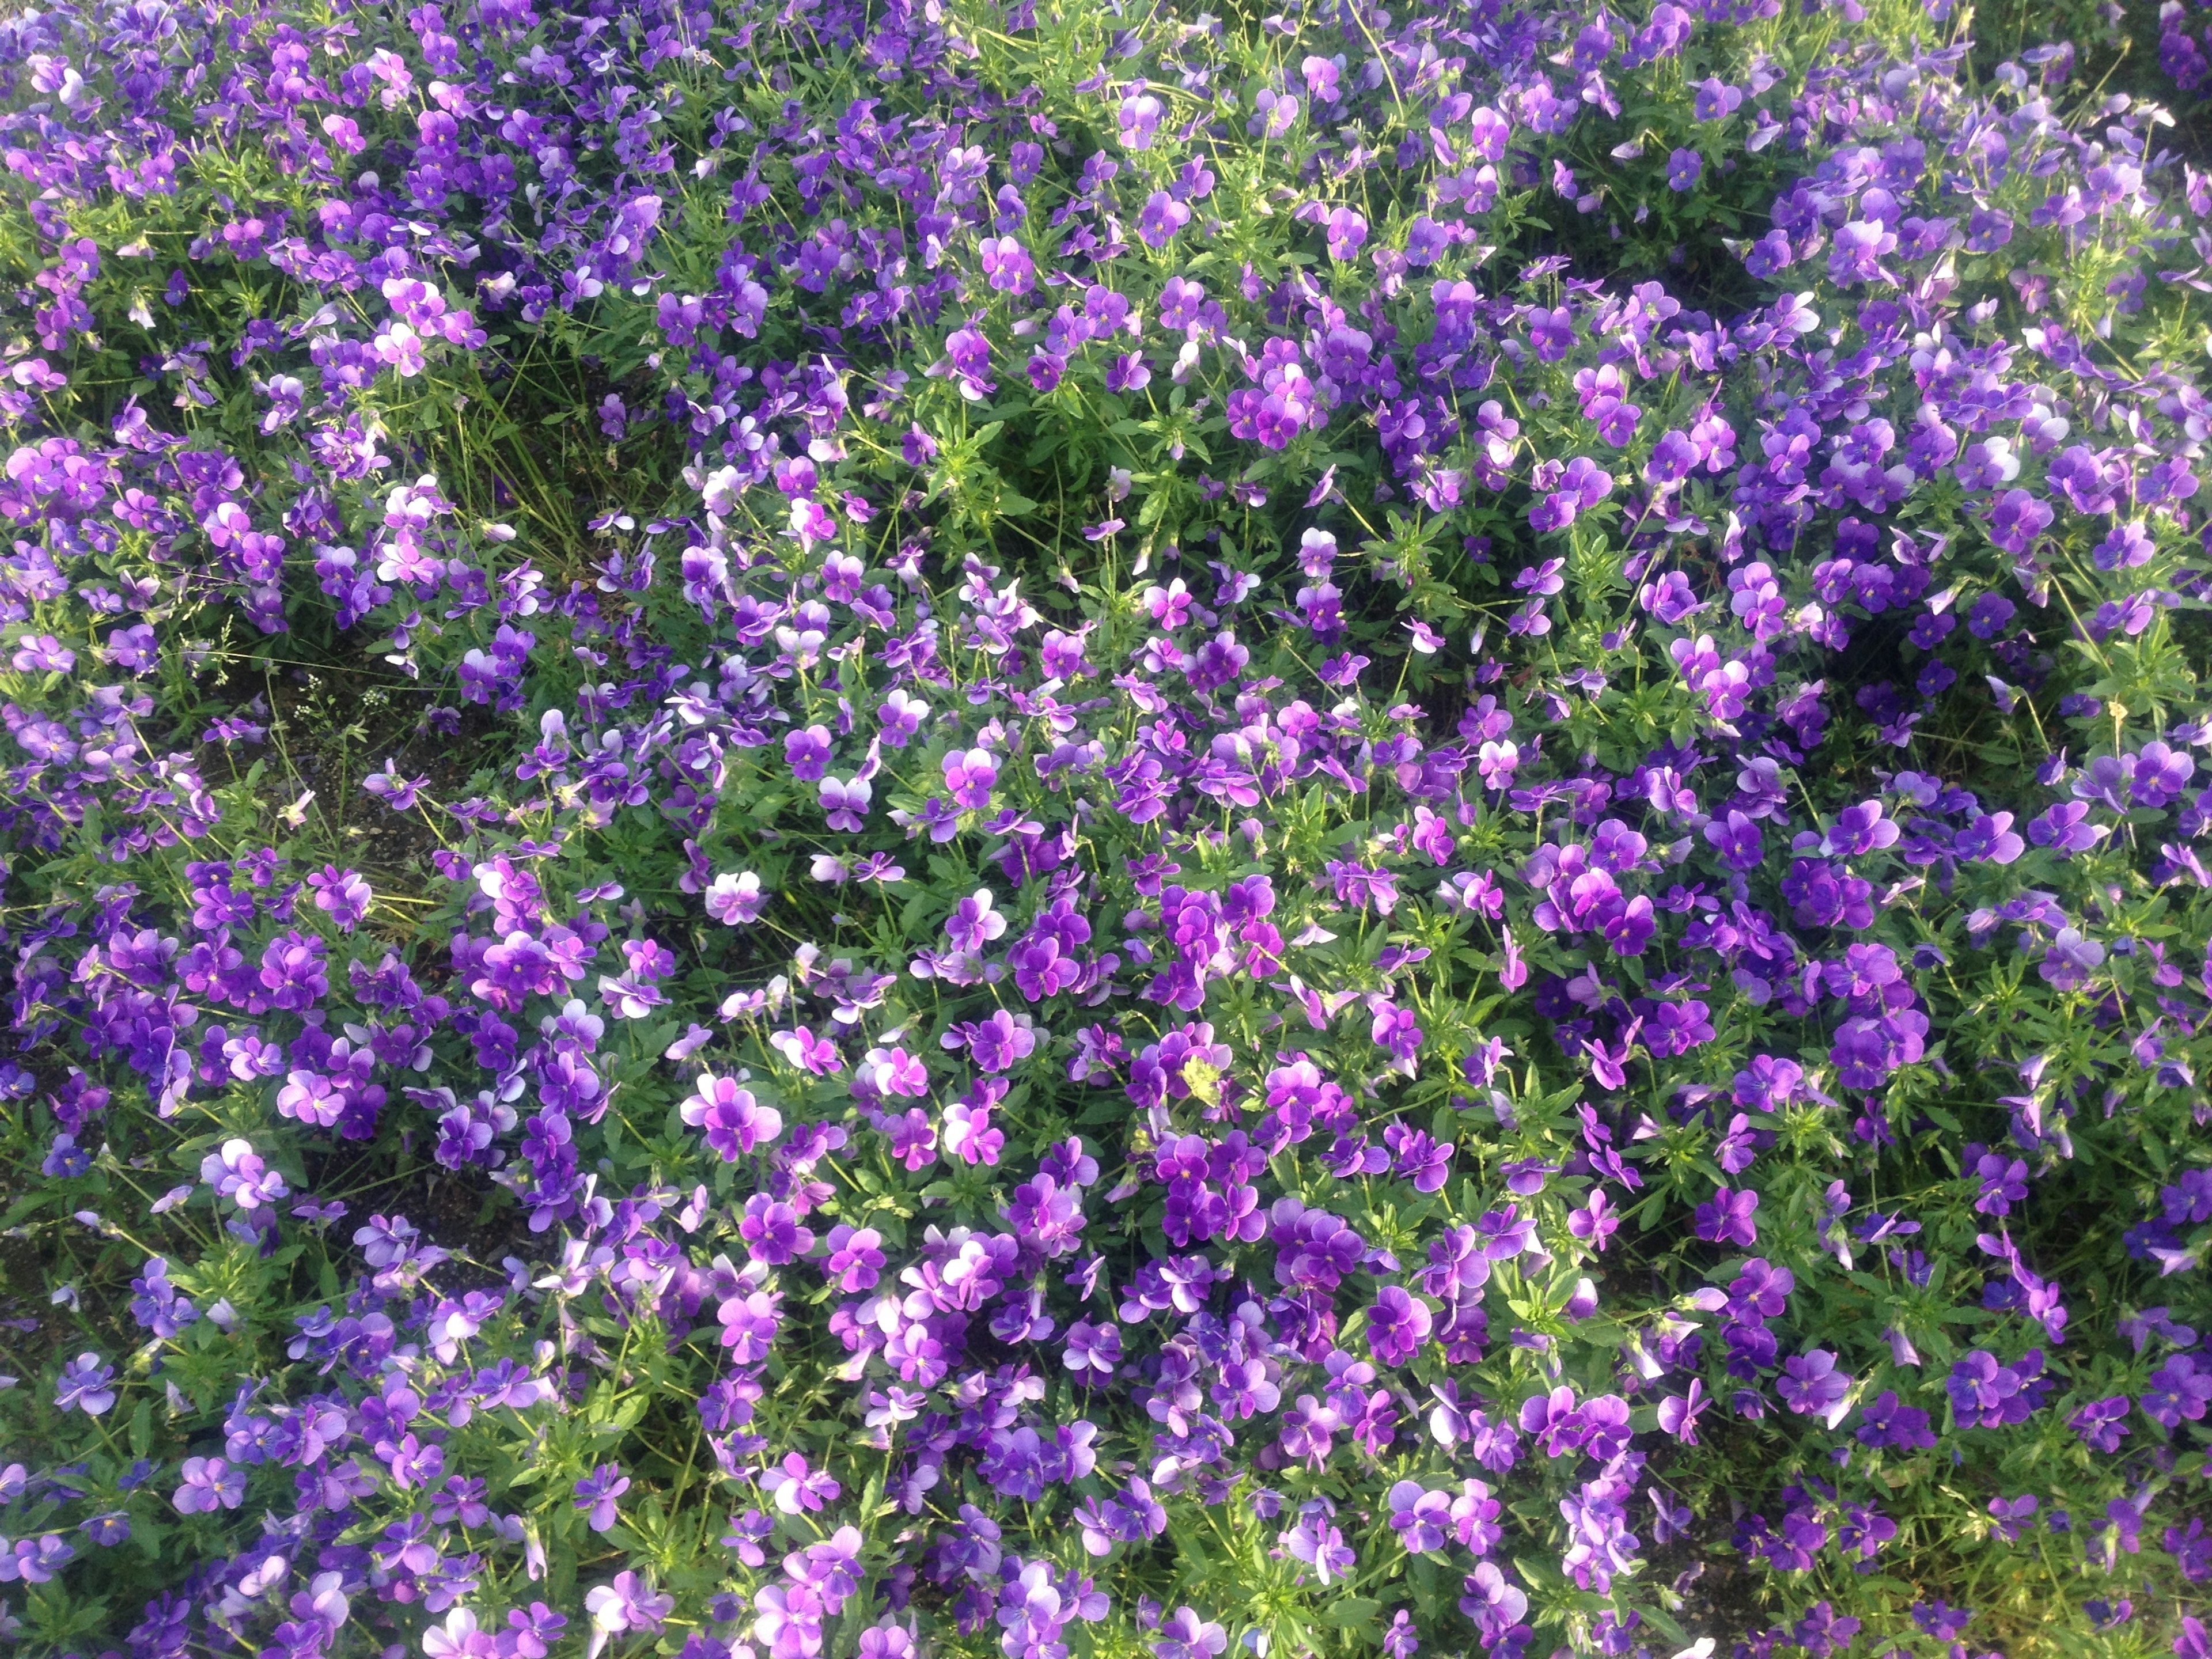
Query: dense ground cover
x=871 y=829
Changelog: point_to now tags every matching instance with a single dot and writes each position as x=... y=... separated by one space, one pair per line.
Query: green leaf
x=1351 y=1613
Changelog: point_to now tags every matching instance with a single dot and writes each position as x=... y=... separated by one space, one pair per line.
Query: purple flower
x=2003 y=1184
x=736 y=899
x=628 y=1603
x=1987 y=1394
x=2065 y=828
x=1679 y=1413
x=1716 y=100
x=1162 y=217
x=1421 y=1518
x=796 y=1487
x=596 y=1493
x=1812 y=1386
x=1684 y=167
x=772 y=1233
x=2069 y=961
x=1990 y=838
x=734 y=1122
x=238 y=1173
x=2128 y=546
x=343 y=894
x=1316 y=1541
x=1737 y=839
x=1347 y=234
x=107 y=1529
x=967 y=351
x=84 y=1386
x=806 y=751
x=1671 y=598
x=1092 y=1349
x=2179 y=1390
x=2017 y=519
x=1555 y=1421
x=1495 y=1604
x=1128 y=373
x=1008 y=267
x=2161 y=775
x=1184 y=1635
x=1726 y=1218
x=846 y=802
x=1857 y=252
x=2102 y=1424
x=1398 y=1323
x=1579 y=488
x=1274 y=113
x=969 y=775
x=1139 y=118
x=208 y=1484
x=1506 y=1234
x=1887 y=1423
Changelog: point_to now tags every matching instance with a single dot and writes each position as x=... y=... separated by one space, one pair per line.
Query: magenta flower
x=735 y=1123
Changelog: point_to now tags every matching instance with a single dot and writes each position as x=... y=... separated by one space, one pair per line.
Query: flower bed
x=931 y=829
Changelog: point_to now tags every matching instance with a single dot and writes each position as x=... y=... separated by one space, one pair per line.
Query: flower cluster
x=878 y=829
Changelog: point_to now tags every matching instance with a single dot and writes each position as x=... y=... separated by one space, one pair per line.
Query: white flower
x=451 y=1642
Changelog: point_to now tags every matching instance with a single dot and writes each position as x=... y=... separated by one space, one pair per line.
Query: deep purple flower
x=2017 y=518
x=772 y=1232
x=1727 y=1217
x=1397 y=1325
